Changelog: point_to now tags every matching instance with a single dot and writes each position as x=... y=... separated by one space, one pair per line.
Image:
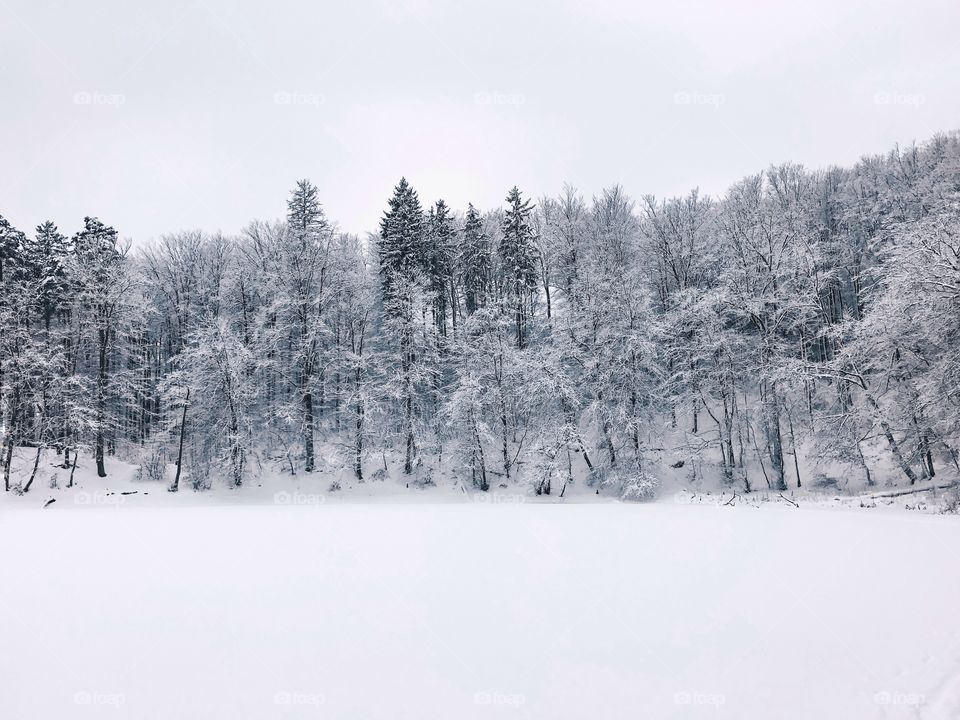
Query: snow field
x=478 y=611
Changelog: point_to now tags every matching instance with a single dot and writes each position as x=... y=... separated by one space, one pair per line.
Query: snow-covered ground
x=119 y=606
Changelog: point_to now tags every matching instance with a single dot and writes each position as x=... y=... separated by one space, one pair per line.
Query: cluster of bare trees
x=802 y=316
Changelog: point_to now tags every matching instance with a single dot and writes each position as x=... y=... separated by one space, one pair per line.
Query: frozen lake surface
x=478 y=611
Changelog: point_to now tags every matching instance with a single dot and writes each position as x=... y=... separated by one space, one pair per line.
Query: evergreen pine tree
x=439 y=261
x=475 y=262
x=11 y=243
x=11 y=246
x=400 y=244
x=402 y=262
x=305 y=256
x=98 y=257
x=45 y=260
x=519 y=255
x=305 y=216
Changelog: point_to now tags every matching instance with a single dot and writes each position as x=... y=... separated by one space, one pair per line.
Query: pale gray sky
x=161 y=116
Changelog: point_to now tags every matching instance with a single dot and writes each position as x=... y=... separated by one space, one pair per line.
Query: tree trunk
x=609 y=442
x=358 y=440
x=36 y=464
x=183 y=433
x=793 y=443
x=484 y=485
x=506 y=449
x=101 y=404
x=308 y=431
x=775 y=440
x=866 y=469
x=891 y=440
x=8 y=441
x=73 y=467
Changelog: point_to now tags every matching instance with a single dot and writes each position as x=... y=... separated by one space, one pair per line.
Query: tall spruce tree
x=45 y=258
x=476 y=263
x=400 y=245
x=439 y=249
x=11 y=243
x=402 y=261
x=519 y=255
x=305 y=260
x=98 y=259
x=11 y=246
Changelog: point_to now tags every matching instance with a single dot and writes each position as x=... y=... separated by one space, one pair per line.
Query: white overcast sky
x=162 y=116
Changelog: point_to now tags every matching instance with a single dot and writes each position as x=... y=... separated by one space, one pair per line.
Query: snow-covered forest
x=804 y=322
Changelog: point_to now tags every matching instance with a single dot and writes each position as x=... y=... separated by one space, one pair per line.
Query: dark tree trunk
x=73 y=467
x=609 y=441
x=775 y=440
x=8 y=445
x=358 y=440
x=183 y=434
x=506 y=448
x=33 y=474
x=866 y=469
x=891 y=440
x=308 y=431
x=101 y=404
x=484 y=485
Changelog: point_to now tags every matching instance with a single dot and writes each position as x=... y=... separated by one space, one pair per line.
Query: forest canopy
x=803 y=317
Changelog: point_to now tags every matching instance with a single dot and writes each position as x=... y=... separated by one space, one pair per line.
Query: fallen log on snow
x=795 y=504
x=913 y=490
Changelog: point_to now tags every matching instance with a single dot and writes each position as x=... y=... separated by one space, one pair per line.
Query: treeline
x=802 y=314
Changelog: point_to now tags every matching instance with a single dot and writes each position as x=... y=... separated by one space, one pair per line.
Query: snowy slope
x=521 y=610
